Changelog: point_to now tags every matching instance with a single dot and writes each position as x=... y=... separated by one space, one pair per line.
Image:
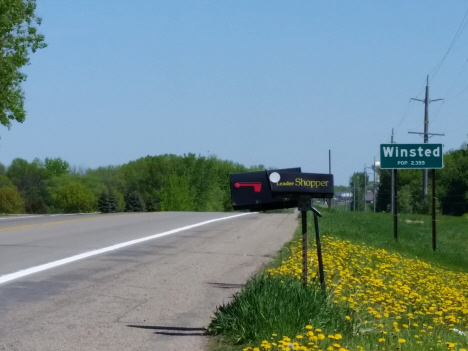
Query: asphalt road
x=65 y=285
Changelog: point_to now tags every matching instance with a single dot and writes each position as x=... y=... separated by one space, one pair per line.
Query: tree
x=18 y=37
x=10 y=200
x=134 y=202
x=74 y=197
x=56 y=167
x=30 y=179
x=108 y=202
x=357 y=182
x=5 y=181
x=113 y=201
x=453 y=181
x=176 y=195
x=104 y=204
x=384 y=195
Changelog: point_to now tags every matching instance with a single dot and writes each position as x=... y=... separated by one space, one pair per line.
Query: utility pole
x=329 y=172
x=365 y=173
x=373 y=188
x=426 y=133
x=393 y=182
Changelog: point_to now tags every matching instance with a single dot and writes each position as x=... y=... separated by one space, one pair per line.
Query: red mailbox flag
x=257 y=186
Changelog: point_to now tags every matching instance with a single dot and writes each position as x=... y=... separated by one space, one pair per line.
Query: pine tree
x=113 y=201
x=134 y=202
x=104 y=202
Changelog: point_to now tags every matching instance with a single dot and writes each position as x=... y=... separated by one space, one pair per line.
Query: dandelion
x=386 y=292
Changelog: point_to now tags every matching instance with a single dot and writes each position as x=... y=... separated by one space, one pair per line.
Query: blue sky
x=277 y=83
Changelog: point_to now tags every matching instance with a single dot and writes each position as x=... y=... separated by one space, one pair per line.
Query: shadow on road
x=226 y=285
x=171 y=331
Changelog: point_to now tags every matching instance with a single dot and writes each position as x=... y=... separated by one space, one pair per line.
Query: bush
x=11 y=200
x=74 y=197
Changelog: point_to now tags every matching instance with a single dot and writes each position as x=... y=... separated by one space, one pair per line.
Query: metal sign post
x=433 y=211
x=395 y=207
x=304 y=206
x=319 y=247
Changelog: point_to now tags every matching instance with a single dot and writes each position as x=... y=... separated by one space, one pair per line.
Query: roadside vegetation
x=152 y=183
x=381 y=294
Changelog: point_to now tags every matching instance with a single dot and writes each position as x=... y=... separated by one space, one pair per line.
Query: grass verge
x=382 y=294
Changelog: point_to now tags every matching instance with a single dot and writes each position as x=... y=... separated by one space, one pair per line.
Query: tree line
x=451 y=187
x=152 y=183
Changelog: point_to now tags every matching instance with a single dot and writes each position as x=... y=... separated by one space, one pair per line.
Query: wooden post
x=304 y=247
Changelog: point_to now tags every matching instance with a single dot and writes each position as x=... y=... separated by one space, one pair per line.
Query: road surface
x=136 y=281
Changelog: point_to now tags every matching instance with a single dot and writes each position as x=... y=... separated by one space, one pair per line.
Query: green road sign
x=406 y=156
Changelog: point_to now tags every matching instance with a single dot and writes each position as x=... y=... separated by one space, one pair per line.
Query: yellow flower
x=401 y=341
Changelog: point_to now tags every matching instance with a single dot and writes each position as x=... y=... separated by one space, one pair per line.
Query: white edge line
x=9 y=277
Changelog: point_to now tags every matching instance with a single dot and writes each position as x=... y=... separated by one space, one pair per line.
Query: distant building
x=343 y=196
x=369 y=198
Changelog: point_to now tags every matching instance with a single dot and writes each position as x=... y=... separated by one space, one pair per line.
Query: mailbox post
x=284 y=188
x=304 y=186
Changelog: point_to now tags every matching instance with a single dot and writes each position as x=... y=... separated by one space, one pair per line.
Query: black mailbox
x=286 y=184
x=252 y=191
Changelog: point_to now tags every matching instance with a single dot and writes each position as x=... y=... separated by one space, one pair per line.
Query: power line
x=405 y=114
x=458 y=94
x=451 y=87
x=460 y=29
x=435 y=70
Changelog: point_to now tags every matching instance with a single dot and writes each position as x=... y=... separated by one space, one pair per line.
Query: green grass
x=270 y=305
x=414 y=238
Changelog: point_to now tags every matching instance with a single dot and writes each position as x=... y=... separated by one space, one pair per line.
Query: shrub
x=11 y=200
